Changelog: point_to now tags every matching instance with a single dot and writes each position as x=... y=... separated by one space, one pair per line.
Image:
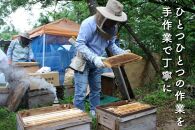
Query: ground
x=165 y=103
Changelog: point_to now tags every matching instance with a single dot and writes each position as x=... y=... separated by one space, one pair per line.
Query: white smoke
x=40 y=83
x=14 y=75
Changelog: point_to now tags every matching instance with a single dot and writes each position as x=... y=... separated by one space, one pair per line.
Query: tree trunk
x=147 y=51
x=92 y=6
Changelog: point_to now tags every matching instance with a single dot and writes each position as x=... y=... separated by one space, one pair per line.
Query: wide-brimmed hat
x=113 y=11
x=25 y=35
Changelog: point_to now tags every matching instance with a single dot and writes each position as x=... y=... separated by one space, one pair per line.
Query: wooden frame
x=53 y=118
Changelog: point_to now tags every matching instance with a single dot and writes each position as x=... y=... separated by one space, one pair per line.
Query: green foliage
x=67 y=100
x=94 y=124
x=189 y=103
x=44 y=19
x=87 y=106
x=7 y=33
x=7 y=119
x=190 y=128
x=190 y=79
x=75 y=10
x=157 y=98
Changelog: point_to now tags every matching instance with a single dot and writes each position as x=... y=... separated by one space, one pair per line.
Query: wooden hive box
x=63 y=117
x=125 y=115
x=30 y=67
x=108 y=84
x=39 y=97
x=51 y=77
x=4 y=93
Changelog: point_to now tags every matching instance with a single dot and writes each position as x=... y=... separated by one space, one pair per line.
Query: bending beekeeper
x=96 y=33
x=20 y=50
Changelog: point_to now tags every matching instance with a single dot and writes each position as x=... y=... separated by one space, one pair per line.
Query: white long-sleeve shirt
x=91 y=44
x=17 y=53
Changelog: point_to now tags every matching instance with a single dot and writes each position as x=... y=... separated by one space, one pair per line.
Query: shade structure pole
x=43 y=60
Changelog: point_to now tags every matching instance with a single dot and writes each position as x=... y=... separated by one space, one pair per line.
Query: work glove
x=98 y=62
x=127 y=51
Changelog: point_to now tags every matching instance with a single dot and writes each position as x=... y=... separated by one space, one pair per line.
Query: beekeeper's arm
x=112 y=47
x=85 y=34
x=31 y=55
x=10 y=51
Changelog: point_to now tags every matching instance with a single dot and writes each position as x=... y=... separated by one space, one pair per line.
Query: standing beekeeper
x=96 y=33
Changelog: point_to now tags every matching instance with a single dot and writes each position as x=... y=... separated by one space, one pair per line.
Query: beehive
x=125 y=115
x=63 y=117
x=30 y=67
x=4 y=92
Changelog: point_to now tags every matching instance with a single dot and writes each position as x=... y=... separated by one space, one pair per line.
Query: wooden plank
x=4 y=92
x=38 y=92
x=19 y=123
x=137 y=115
x=42 y=97
x=101 y=127
x=118 y=60
x=146 y=122
x=51 y=77
x=79 y=127
x=42 y=110
x=15 y=96
x=24 y=64
x=106 y=119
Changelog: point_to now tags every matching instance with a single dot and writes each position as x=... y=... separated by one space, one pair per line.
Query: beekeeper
x=19 y=49
x=96 y=34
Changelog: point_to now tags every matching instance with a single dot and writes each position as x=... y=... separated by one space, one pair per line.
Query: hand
x=128 y=51
x=9 y=61
x=98 y=62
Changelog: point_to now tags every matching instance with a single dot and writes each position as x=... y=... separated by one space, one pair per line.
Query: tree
x=74 y=10
x=7 y=32
x=144 y=19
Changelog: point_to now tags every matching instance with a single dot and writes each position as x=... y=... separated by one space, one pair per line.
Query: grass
x=190 y=128
x=67 y=100
x=150 y=94
x=189 y=104
x=7 y=119
x=157 y=98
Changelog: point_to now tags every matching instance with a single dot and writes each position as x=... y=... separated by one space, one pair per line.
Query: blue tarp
x=56 y=56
